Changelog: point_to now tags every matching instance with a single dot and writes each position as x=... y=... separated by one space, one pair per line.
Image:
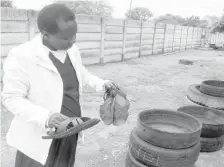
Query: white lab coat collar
x=42 y=54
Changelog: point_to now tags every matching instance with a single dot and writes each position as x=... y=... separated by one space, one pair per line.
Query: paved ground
x=151 y=82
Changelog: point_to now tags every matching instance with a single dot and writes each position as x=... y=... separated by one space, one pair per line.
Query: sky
x=184 y=8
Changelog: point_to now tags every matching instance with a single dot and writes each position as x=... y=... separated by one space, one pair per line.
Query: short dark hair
x=48 y=16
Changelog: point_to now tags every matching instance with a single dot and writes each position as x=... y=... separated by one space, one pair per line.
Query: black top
x=70 y=104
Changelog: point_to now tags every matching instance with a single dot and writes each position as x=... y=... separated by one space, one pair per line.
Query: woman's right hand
x=56 y=119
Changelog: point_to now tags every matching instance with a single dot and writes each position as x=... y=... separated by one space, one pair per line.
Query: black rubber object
x=212 y=88
x=199 y=98
x=168 y=129
x=148 y=154
x=212 y=120
x=212 y=144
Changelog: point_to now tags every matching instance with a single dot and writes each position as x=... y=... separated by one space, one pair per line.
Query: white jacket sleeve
x=90 y=79
x=15 y=93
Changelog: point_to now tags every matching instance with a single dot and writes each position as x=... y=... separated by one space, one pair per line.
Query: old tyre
x=212 y=120
x=148 y=154
x=199 y=98
x=212 y=88
x=168 y=129
x=212 y=144
x=132 y=162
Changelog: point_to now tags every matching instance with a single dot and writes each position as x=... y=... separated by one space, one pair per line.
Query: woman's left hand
x=110 y=85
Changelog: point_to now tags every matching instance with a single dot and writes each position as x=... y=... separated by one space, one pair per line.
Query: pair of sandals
x=72 y=126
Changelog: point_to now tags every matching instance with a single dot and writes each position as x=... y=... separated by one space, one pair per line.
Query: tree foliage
x=170 y=19
x=219 y=26
x=99 y=8
x=139 y=13
x=6 y=3
x=221 y=22
x=212 y=20
x=193 y=21
x=204 y=24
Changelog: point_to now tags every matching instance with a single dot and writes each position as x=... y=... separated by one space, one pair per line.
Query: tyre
x=199 y=98
x=168 y=129
x=212 y=88
x=132 y=162
x=212 y=120
x=212 y=144
x=148 y=154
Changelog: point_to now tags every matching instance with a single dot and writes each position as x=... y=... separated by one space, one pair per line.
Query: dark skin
x=63 y=40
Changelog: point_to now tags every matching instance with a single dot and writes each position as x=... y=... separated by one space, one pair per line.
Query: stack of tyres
x=212 y=134
x=210 y=93
x=164 y=138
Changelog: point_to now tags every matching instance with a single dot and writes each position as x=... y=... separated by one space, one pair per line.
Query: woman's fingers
x=56 y=119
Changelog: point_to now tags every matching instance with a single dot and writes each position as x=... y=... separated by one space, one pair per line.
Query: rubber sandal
x=71 y=126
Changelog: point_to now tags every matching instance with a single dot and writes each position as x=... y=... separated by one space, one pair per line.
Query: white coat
x=32 y=88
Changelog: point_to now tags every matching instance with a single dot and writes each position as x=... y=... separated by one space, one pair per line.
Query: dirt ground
x=158 y=81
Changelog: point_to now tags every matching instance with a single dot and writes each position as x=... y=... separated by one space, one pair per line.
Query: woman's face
x=65 y=38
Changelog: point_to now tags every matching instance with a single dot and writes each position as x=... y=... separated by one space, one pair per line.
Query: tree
x=170 y=19
x=221 y=22
x=193 y=21
x=139 y=13
x=219 y=26
x=212 y=20
x=99 y=8
x=6 y=3
x=204 y=24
